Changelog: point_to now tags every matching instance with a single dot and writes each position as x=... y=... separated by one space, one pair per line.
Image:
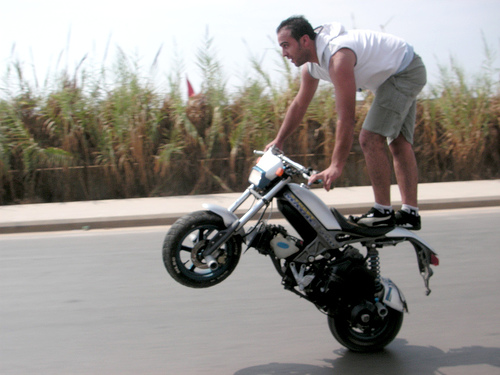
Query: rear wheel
x=185 y=243
x=369 y=337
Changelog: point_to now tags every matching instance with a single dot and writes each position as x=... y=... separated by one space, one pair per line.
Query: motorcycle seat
x=349 y=226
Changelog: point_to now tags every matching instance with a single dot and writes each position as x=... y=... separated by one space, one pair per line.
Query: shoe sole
x=375 y=222
x=408 y=226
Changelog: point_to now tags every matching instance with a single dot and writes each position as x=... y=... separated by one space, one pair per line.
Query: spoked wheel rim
x=367 y=333
x=190 y=258
x=185 y=244
x=368 y=338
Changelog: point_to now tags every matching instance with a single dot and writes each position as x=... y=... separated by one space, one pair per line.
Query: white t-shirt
x=378 y=55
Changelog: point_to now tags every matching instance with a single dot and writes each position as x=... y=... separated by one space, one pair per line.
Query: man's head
x=296 y=39
x=298 y=27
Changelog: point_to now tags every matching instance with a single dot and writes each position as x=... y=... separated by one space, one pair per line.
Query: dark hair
x=298 y=27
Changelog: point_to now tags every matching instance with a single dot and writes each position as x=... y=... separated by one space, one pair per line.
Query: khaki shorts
x=393 y=111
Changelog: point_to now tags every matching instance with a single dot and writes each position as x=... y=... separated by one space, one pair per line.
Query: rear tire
x=184 y=245
x=366 y=339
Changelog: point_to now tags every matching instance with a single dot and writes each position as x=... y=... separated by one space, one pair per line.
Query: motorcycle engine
x=262 y=239
x=345 y=279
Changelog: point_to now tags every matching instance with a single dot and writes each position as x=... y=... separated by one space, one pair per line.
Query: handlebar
x=305 y=172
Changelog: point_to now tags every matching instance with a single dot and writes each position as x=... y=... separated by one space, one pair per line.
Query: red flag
x=190 y=88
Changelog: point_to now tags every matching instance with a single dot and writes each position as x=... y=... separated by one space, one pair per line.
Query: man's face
x=291 y=48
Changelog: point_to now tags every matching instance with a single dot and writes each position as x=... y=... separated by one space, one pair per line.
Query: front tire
x=366 y=339
x=185 y=243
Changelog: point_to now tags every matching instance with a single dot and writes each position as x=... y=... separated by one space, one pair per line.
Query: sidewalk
x=165 y=210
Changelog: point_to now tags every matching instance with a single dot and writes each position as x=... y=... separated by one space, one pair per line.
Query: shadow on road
x=398 y=358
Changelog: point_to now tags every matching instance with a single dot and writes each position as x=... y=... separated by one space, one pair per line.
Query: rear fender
x=399 y=232
x=393 y=297
x=425 y=254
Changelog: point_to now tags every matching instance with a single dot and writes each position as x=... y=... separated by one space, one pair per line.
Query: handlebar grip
x=313 y=172
x=316 y=182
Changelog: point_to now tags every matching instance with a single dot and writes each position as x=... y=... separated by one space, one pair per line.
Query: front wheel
x=185 y=243
x=367 y=338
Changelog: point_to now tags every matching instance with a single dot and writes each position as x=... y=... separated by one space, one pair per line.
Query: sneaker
x=375 y=218
x=408 y=220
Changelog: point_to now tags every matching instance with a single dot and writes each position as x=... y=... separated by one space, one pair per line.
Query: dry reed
x=91 y=139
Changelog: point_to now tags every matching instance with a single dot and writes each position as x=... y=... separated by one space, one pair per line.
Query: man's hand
x=274 y=143
x=328 y=176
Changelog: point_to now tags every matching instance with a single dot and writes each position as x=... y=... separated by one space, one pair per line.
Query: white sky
x=37 y=32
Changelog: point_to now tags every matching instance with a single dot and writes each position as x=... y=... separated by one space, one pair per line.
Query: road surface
x=100 y=302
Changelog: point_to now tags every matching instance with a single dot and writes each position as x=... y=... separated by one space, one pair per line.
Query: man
x=354 y=60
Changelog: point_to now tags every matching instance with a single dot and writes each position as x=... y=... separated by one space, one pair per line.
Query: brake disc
x=196 y=255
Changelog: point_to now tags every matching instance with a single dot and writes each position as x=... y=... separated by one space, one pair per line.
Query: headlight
x=267 y=169
x=258 y=178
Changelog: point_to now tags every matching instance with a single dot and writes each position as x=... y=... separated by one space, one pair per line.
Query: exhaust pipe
x=381 y=309
x=211 y=262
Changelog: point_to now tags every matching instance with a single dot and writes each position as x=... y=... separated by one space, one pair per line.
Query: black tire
x=184 y=245
x=368 y=339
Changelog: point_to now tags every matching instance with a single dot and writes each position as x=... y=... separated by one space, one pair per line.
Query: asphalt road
x=100 y=302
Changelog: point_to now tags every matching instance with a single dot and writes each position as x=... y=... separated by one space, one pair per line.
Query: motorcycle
x=322 y=265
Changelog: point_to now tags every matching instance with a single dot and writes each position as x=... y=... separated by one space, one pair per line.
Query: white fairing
x=393 y=297
x=316 y=206
x=270 y=163
x=227 y=216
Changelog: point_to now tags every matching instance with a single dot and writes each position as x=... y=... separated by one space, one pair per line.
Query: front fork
x=232 y=222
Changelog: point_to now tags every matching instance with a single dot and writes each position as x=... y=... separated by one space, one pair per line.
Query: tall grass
x=99 y=133
x=459 y=124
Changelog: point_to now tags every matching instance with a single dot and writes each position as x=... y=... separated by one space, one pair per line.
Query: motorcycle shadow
x=398 y=358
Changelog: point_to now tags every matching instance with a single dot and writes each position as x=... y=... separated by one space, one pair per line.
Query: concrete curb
x=125 y=213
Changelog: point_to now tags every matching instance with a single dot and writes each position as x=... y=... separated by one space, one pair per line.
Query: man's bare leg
x=374 y=148
x=405 y=168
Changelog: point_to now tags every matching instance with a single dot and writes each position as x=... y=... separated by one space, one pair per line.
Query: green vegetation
x=104 y=134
